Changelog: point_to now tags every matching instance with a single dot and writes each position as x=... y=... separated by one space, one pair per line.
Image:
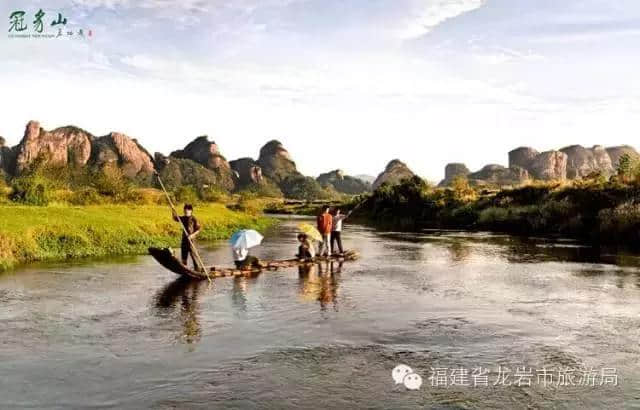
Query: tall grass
x=30 y=233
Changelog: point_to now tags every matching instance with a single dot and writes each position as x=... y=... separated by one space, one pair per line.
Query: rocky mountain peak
x=204 y=152
x=522 y=157
x=274 y=148
x=336 y=174
x=7 y=158
x=455 y=169
x=248 y=171
x=276 y=162
x=394 y=172
x=63 y=146
x=117 y=149
x=207 y=154
x=343 y=183
x=583 y=161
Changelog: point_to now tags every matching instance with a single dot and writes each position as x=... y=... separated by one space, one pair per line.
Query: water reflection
x=624 y=277
x=239 y=293
x=515 y=249
x=319 y=282
x=181 y=296
x=459 y=251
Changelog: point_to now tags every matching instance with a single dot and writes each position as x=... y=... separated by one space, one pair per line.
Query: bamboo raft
x=166 y=258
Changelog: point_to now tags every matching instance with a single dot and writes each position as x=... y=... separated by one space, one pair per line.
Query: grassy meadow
x=56 y=232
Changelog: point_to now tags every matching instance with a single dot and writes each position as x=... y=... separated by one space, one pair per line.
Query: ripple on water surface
x=125 y=334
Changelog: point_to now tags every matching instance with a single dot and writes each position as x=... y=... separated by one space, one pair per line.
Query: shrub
x=213 y=194
x=493 y=216
x=525 y=195
x=464 y=215
x=264 y=189
x=462 y=191
x=61 y=195
x=625 y=166
x=555 y=214
x=86 y=196
x=621 y=223
x=186 y=194
x=250 y=206
x=300 y=187
x=146 y=196
x=5 y=191
x=514 y=219
x=32 y=190
x=111 y=182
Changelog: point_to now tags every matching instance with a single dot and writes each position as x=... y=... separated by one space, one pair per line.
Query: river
x=486 y=321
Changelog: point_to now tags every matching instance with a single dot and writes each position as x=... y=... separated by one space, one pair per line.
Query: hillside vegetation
x=596 y=209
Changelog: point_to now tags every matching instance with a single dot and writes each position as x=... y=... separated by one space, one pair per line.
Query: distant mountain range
x=525 y=163
x=365 y=178
x=199 y=163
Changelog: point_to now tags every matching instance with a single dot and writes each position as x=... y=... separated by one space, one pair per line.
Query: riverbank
x=33 y=233
x=594 y=211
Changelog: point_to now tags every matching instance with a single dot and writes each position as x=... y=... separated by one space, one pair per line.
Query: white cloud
x=304 y=70
x=502 y=55
x=141 y=62
x=585 y=36
x=428 y=14
x=194 y=5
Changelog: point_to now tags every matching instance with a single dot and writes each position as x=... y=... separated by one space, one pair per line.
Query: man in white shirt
x=336 y=230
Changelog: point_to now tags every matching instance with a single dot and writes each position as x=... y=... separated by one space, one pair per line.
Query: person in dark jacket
x=192 y=228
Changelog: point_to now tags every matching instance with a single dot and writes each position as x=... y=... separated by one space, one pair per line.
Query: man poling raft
x=240 y=242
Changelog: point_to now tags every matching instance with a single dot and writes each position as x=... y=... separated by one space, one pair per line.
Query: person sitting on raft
x=192 y=228
x=306 y=250
x=243 y=260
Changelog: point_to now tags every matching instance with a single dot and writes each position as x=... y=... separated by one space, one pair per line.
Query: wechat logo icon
x=403 y=374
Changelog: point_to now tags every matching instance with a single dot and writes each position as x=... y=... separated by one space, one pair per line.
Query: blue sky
x=429 y=82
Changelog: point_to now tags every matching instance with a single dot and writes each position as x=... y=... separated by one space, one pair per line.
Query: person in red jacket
x=325 y=224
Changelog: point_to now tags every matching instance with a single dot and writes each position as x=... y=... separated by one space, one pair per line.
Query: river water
x=487 y=321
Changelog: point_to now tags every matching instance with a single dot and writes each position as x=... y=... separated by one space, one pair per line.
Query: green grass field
x=31 y=233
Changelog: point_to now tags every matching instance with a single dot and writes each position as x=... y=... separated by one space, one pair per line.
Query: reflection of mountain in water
x=181 y=297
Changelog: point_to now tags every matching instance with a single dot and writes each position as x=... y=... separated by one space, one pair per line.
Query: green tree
x=111 y=182
x=624 y=166
x=462 y=191
x=32 y=189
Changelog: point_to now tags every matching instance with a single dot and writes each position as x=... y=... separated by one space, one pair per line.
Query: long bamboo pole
x=184 y=229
